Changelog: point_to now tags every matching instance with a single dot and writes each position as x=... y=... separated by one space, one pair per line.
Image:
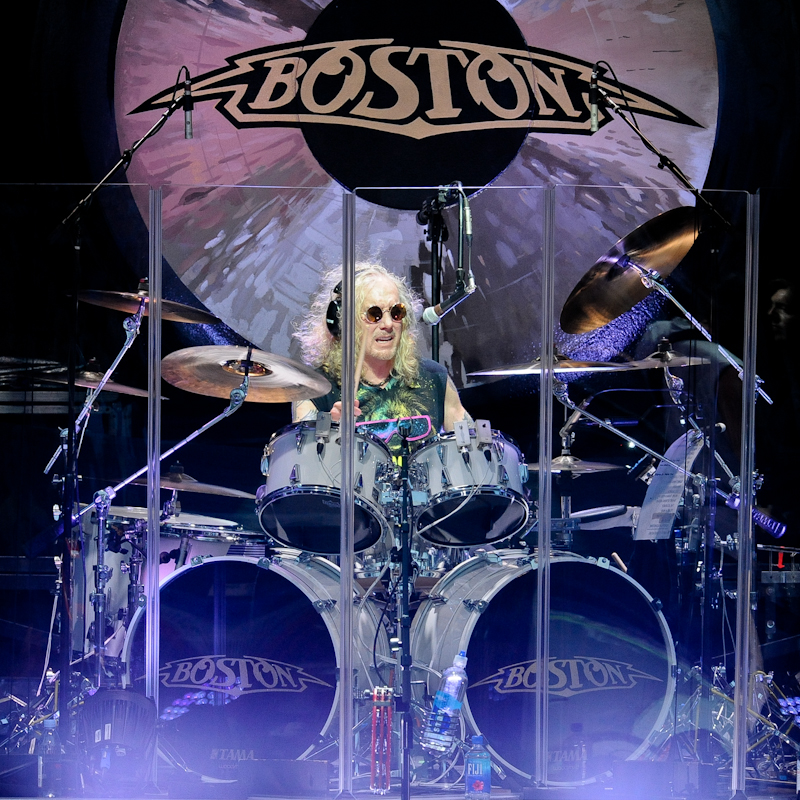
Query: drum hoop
x=323 y=491
x=501 y=578
x=452 y=494
x=334 y=434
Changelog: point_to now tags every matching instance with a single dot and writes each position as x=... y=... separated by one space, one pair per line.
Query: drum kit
x=250 y=621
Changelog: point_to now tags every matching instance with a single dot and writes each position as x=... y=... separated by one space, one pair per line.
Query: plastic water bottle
x=50 y=744
x=49 y=770
x=443 y=720
x=477 y=771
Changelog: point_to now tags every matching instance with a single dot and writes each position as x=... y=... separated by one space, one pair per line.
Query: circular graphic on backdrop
x=417 y=81
x=253 y=254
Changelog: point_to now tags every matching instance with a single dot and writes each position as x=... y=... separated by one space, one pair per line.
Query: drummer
x=395 y=382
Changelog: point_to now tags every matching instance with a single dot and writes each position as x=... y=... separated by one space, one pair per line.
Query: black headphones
x=333 y=315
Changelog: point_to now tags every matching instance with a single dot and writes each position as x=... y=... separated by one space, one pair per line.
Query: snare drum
x=611 y=661
x=469 y=496
x=299 y=504
x=249 y=653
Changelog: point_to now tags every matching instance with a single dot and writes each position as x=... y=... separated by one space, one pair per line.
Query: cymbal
x=88 y=379
x=668 y=358
x=181 y=482
x=134 y=512
x=561 y=364
x=613 y=286
x=215 y=370
x=570 y=463
x=129 y=303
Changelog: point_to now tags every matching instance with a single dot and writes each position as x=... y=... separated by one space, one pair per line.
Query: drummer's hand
x=336 y=411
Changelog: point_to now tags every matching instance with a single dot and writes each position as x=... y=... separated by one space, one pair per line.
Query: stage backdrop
x=357 y=94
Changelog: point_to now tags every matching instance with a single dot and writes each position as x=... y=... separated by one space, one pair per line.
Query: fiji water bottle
x=443 y=721
x=477 y=771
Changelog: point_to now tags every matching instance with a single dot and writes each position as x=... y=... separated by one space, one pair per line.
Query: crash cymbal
x=560 y=364
x=88 y=379
x=570 y=463
x=215 y=370
x=181 y=482
x=613 y=286
x=129 y=303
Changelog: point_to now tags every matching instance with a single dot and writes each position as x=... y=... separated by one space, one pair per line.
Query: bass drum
x=249 y=656
x=611 y=660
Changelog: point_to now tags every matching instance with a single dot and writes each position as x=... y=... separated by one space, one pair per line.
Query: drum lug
x=363 y=448
x=358 y=484
x=603 y=562
x=445 y=479
x=442 y=452
x=321 y=606
x=265 y=462
x=294 y=476
x=298 y=439
x=478 y=606
x=491 y=557
x=502 y=475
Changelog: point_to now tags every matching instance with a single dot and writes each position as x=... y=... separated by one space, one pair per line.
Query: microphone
x=593 y=98
x=433 y=314
x=188 y=105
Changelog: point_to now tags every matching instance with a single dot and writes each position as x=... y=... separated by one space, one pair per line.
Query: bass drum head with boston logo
x=611 y=662
x=249 y=656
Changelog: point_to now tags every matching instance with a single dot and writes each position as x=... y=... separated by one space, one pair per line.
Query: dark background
x=59 y=129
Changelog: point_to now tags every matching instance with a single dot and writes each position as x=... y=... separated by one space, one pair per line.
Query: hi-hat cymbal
x=129 y=303
x=613 y=286
x=668 y=358
x=560 y=364
x=215 y=370
x=88 y=379
x=181 y=482
x=570 y=463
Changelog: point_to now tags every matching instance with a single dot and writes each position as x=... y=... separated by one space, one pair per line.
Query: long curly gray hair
x=321 y=349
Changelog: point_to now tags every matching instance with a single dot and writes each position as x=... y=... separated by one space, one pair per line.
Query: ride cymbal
x=181 y=482
x=215 y=370
x=129 y=303
x=570 y=463
x=613 y=285
x=560 y=364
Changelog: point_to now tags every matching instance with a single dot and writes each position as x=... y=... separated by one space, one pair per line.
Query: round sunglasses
x=374 y=314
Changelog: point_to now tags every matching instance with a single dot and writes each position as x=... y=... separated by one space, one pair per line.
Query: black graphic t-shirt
x=397 y=400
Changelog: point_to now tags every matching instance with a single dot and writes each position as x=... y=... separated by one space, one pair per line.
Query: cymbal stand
x=237 y=398
x=731 y=499
x=132 y=327
x=102 y=501
x=652 y=280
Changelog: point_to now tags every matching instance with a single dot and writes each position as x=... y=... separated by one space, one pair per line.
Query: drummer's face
x=383 y=337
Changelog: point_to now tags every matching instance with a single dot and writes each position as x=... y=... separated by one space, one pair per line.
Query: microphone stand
x=663 y=161
x=69 y=484
x=431 y=215
x=404 y=702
